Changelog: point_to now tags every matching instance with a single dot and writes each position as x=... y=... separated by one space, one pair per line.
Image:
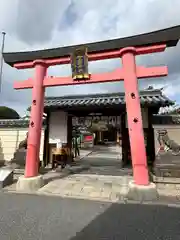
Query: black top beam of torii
x=169 y=36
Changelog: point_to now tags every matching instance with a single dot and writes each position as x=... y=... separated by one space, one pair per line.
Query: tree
x=28 y=109
x=8 y=113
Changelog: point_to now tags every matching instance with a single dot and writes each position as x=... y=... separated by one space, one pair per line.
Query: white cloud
x=53 y=23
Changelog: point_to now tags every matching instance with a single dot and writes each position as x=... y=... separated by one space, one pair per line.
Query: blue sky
x=42 y=24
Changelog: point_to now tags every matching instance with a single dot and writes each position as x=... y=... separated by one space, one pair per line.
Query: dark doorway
x=106 y=136
x=110 y=135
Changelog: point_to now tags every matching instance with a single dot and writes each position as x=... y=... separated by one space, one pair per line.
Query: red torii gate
x=126 y=49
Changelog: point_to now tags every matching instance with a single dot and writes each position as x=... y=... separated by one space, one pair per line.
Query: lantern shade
x=79 y=64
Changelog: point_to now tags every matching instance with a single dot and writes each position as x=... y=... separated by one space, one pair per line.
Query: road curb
x=168 y=201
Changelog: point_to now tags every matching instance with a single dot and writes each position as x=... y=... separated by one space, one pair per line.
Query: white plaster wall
x=10 y=139
x=144 y=112
x=58 y=127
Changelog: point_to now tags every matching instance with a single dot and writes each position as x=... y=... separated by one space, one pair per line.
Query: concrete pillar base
x=29 y=184
x=142 y=193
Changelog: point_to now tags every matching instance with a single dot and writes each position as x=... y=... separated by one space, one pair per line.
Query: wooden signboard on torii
x=124 y=48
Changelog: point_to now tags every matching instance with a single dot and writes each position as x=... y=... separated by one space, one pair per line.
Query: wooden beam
x=94 y=56
x=115 y=76
x=151 y=72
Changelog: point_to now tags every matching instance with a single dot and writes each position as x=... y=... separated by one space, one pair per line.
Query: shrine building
x=81 y=110
x=63 y=113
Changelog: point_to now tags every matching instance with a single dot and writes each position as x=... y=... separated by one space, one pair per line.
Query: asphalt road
x=40 y=217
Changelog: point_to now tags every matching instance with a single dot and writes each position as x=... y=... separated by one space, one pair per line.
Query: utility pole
x=1 y=66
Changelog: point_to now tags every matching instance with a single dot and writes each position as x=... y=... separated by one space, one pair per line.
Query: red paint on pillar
x=41 y=122
x=42 y=111
x=134 y=117
x=34 y=133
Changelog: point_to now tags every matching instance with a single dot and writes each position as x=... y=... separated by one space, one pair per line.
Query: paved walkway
x=98 y=176
x=100 y=187
x=104 y=188
x=94 y=187
x=83 y=153
x=105 y=161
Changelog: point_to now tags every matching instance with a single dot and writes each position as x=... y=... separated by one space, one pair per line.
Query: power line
x=1 y=66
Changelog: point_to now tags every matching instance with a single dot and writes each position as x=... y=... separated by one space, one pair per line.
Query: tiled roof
x=148 y=97
x=13 y=123
x=166 y=119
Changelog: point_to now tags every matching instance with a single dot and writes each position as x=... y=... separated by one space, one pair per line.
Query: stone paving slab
x=103 y=188
x=169 y=180
x=92 y=187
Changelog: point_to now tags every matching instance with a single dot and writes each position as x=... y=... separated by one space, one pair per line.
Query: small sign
x=4 y=173
x=88 y=138
x=79 y=64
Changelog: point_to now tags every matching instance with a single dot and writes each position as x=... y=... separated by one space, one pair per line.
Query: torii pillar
x=32 y=178
x=140 y=188
x=134 y=117
x=36 y=117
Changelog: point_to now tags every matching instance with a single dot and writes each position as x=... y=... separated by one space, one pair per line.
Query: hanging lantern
x=79 y=64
